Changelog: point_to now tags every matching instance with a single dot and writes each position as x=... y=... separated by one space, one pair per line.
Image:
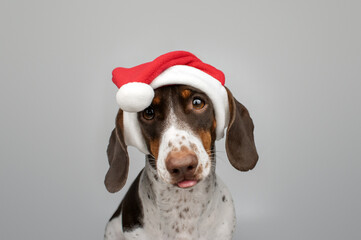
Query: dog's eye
x=148 y=113
x=198 y=103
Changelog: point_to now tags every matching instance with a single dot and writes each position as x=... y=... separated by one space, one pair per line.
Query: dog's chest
x=171 y=213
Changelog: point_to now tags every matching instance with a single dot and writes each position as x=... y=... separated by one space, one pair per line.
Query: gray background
x=296 y=65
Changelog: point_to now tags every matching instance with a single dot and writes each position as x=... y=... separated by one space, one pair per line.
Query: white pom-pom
x=135 y=96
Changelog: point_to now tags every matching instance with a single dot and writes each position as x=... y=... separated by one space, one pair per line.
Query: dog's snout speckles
x=182 y=156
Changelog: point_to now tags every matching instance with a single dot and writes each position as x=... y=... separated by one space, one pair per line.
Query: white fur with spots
x=203 y=212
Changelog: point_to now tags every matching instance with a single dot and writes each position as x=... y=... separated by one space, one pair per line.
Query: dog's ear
x=118 y=158
x=240 y=146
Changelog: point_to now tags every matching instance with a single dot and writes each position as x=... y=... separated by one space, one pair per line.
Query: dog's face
x=179 y=129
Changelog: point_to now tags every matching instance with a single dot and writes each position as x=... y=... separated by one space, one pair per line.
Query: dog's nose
x=181 y=163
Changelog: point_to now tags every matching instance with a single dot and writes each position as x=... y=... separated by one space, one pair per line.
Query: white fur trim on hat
x=132 y=133
x=184 y=75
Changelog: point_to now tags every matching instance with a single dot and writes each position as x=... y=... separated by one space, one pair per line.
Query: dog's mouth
x=187 y=183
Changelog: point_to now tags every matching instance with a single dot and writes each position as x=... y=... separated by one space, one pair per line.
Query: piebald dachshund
x=178 y=194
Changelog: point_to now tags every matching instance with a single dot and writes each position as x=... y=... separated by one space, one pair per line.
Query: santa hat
x=136 y=89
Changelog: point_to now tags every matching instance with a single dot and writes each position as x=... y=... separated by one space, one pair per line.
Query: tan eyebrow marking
x=156 y=100
x=186 y=93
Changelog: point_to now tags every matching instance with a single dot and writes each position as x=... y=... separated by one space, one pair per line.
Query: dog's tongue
x=187 y=183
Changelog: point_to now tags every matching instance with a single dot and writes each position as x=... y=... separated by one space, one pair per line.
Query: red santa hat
x=136 y=89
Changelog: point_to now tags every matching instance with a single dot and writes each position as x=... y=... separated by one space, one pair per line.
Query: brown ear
x=117 y=174
x=240 y=146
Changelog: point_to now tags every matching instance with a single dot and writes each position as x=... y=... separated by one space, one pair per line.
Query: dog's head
x=179 y=130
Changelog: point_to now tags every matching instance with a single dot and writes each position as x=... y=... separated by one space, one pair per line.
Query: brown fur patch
x=206 y=139
x=154 y=147
x=193 y=147
x=185 y=93
x=214 y=124
x=156 y=100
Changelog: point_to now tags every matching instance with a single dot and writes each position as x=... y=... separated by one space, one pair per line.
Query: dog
x=178 y=194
